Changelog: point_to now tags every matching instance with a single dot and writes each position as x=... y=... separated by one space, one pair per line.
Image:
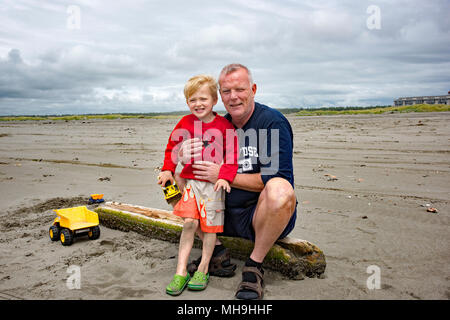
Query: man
x=262 y=203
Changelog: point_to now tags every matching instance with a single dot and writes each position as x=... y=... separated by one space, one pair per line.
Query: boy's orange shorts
x=201 y=202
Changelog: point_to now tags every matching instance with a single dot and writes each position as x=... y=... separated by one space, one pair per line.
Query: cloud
x=136 y=57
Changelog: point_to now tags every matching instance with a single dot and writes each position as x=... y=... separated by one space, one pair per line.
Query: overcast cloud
x=135 y=56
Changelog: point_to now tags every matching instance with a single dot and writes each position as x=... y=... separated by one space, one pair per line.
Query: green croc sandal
x=177 y=285
x=199 y=281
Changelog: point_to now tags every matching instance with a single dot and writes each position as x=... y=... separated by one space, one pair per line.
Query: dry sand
x=387 y=168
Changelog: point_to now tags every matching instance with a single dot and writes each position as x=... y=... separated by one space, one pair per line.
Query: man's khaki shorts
x=201 y=202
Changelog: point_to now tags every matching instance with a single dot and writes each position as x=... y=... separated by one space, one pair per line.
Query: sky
x=90 y=56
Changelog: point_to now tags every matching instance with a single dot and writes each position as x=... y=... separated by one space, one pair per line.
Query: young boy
x=202 y=204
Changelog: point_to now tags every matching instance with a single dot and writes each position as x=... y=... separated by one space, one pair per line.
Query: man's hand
x=165 y=176
x=190 y=149
x=206 y=170
x=222 y=183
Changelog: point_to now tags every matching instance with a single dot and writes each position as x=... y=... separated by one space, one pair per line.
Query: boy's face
x=201 y=104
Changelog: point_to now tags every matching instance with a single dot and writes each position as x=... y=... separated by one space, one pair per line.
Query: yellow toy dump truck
x=74 y=222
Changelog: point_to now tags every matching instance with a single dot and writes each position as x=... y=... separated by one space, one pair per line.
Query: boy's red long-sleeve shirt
x=220 y=145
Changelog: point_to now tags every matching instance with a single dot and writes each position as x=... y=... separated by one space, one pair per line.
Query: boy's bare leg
x=209 y=241
x=201 y=234
x=186 y=243
x=181 y=183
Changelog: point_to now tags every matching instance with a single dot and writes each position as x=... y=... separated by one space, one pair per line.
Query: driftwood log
x=291 y=257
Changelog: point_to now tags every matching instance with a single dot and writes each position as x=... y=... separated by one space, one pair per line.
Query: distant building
x=409 y=101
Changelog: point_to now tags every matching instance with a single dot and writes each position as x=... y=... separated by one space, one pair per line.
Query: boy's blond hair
x=196 y=82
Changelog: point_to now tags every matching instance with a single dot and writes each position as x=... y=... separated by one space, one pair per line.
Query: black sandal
x=219 y=266
x=255 y=288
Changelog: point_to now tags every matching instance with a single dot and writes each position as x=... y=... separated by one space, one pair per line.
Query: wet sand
x=363 y=184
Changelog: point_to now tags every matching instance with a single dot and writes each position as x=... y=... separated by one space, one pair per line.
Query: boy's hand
x=165 y=176
x=190 y=149
x=222 y=183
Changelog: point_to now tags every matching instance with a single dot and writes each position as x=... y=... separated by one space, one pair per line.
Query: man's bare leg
x=275 y=207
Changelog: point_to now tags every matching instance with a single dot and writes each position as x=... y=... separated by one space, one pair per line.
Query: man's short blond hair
x=196 y=82
x=234 y=67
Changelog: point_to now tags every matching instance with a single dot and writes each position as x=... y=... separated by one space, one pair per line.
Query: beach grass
x=374 y=110
x=296 y=111
x=91 y=117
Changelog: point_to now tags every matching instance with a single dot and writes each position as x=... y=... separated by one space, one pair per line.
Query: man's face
x=238 y=96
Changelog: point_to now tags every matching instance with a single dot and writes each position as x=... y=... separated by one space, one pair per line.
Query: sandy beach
x=363 y=183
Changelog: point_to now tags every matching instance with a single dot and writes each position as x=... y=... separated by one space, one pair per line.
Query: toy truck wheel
x=66 y=237
x=94 y=233
x=53 y=232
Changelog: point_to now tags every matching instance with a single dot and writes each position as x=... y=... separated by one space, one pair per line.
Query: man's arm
x=248 y=181
x=209 y=171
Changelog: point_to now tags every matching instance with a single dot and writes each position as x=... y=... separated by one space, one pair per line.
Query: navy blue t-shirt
x=266 y=147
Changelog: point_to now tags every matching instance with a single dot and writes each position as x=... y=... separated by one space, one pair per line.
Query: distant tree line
x=295 y=110
x=175 y=113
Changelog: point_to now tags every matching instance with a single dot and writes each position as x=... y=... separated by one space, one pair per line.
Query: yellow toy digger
x=74 y=222
x=96 y=198
x=171 y=192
